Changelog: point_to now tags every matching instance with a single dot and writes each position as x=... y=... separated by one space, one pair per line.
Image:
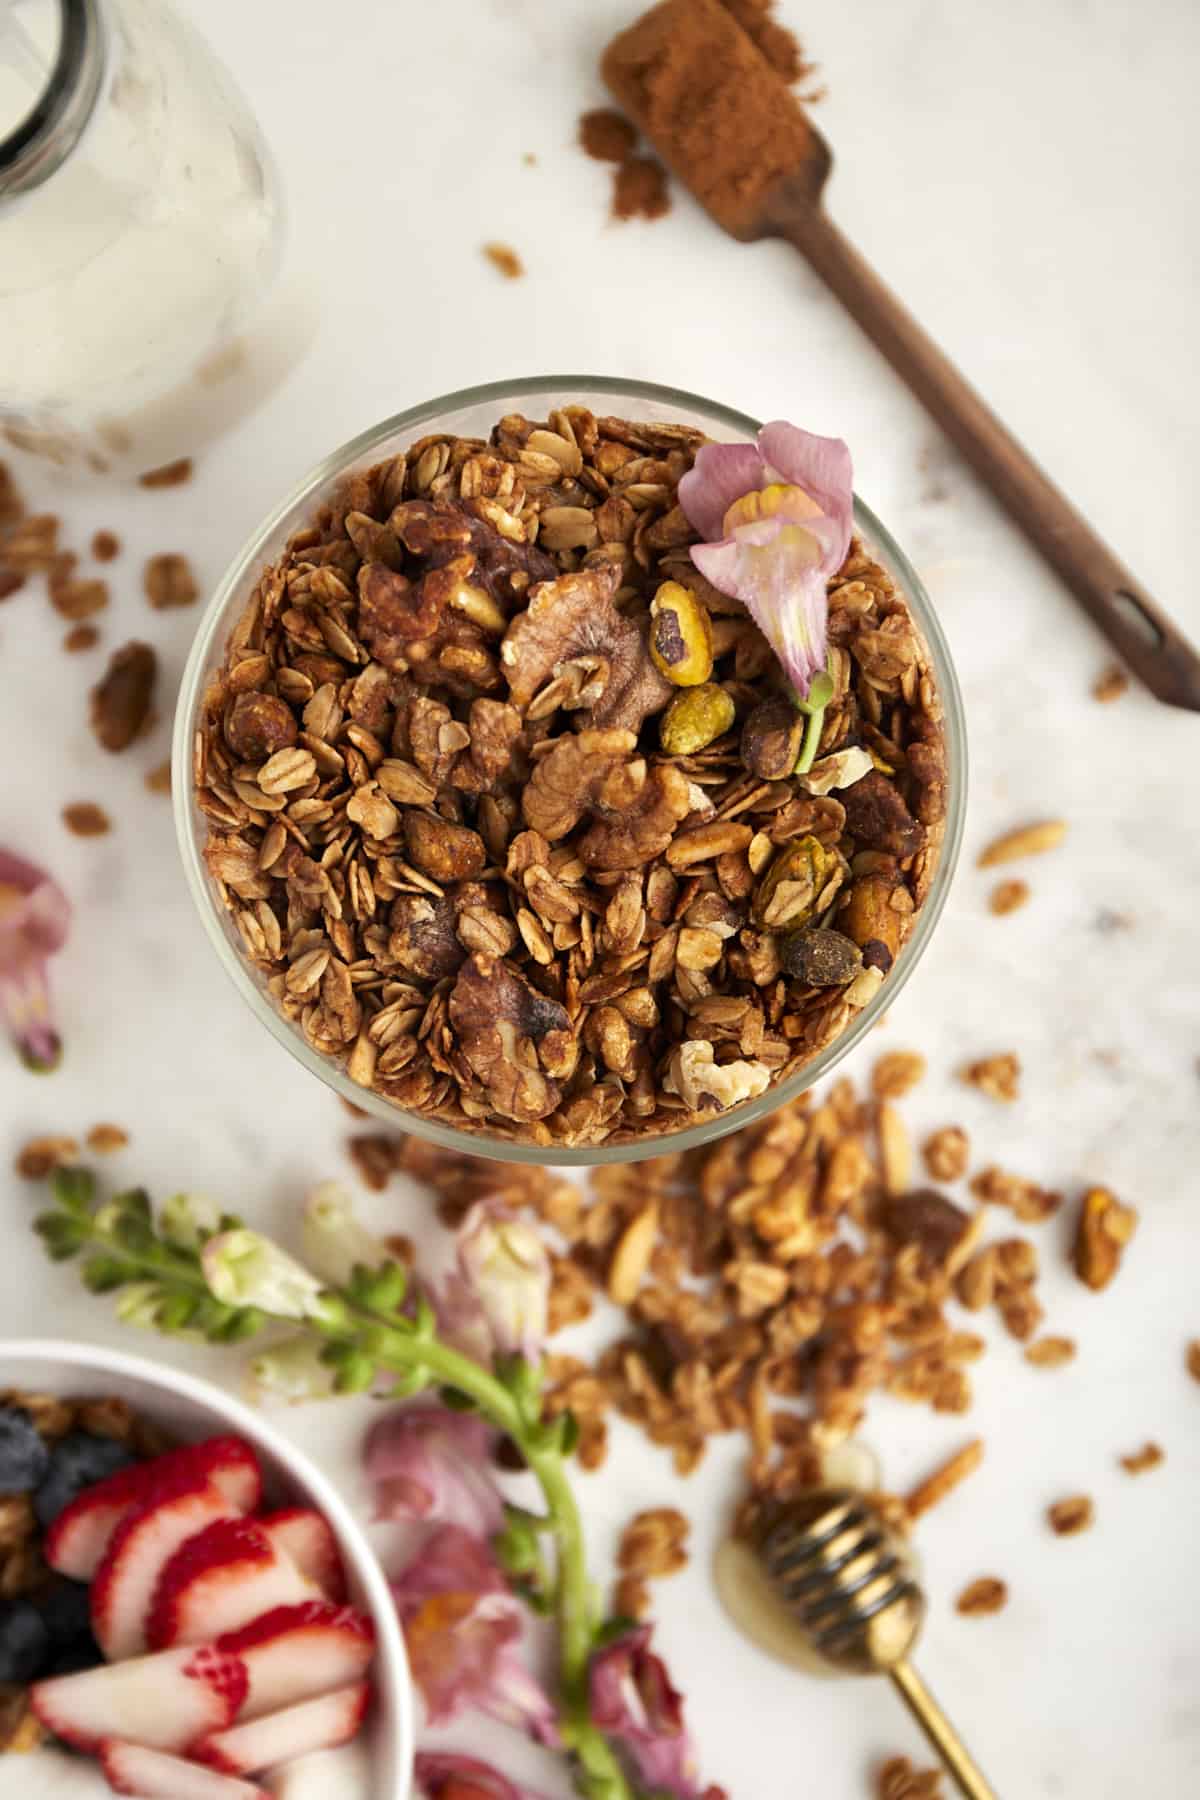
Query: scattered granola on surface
x=106 y=546
x=947 y=1153
x=168 y=581
x=36 y=1159
x=172 y=474
x=783 y=1287
x=81 y=637
x=1105 y=1228
x=1192 y=1359
x=986 y=1594
x=996 y=1076
x=1029 y=840
x=158 y=779
x=1139 y=1461
x=1050 y=1352
x=1110 y=684
x=1070 y=1516
x=899 y=1780
x=105 y=1138
x=83 y=818
x=944 y=1479
x=505 y=261
x=121 y=699
x=1008 y=897
x=466 y=846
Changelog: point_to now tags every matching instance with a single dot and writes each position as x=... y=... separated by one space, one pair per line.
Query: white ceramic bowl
x=193 y=1409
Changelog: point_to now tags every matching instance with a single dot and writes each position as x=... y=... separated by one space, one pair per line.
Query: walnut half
x=574 y=618
x=509 y=1033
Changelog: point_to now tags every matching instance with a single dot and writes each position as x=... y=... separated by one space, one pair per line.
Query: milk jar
x=141 y=229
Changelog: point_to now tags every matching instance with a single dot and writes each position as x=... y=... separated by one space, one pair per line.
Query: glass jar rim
x=41 y=142
x=205 y=652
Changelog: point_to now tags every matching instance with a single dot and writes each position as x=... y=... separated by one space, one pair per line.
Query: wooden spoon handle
x=1136 y=627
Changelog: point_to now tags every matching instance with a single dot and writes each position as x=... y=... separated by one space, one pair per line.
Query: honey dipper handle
x=1136 y=627
x=940 y=1732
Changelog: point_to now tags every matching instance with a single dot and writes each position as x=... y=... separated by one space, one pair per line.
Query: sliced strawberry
x=141 y=1547
x=219 y=1580
x=81 y=1533
x=164 y=1702
x=276 y=1738
x=307 y=1537
x=152 y=1775
x=298 y=1652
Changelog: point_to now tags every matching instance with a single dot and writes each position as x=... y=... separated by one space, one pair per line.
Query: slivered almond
x=895 y=1149
x=631 y=1258
x=1029 y=840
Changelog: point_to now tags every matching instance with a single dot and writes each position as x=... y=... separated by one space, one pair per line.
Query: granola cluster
x=501 y=792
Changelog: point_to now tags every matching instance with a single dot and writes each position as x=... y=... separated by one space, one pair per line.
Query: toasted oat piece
x=935 y=1488
x=1008 y=896
x=1028 y=840
x=41 y=1156
x=1110 y=684
x=1105 y=1228
x=1148 y=1457
x=986 y=1594
x=1192 y=1359
x=631 y=1258
x=83 y=818
x=172 y=474
x=1072 y=1515
x=947 y=1153
x=899 y=1780
x=653 y=1543
x=105 y=1138
x=158 y=779
x=505 y=261
x=897 y=1073
x=1050 y=1352
x=998 y=1077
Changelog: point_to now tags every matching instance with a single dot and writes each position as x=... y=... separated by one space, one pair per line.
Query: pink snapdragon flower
x=776 y=519
x=634 y=1703
x=427 y=1462
x=462 y=1625
x=442 y=1776
x=35 y=916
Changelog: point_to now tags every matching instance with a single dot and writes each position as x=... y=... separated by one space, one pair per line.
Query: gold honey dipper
x=849 y=1582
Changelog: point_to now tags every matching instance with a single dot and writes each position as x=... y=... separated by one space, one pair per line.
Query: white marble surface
x=1026 y=177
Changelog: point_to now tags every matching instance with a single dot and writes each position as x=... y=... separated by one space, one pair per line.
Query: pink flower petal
x=721 y=474
x=35 y=916
x=633 y=1701
x=428 y=1462
x=462 y=1625
x=822 y=467
x=438 y=1773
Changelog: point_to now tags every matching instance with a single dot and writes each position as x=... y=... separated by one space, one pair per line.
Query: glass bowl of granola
x=490 y=799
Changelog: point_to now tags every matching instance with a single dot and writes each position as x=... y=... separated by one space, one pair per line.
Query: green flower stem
x=813 y=727
x=124 y=1251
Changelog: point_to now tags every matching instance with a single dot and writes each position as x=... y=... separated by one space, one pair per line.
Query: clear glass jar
x=141 y=225
x=472 y=413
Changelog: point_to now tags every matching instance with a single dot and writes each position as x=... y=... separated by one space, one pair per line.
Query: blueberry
x=24 y=1456
x=24 y=1641
x=77 y=1461
x=66 y=1610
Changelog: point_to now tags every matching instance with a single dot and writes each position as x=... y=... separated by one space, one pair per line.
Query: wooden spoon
x=730 y=128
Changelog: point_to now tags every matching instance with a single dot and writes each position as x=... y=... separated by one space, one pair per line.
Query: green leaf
x=568 y=1433
x=355 y=1375
x=74 y=1190
x=132 y=1233
x=177 y=1311
x=335 y=1354
x=246 y=1323
x=63 y=1235
x=231 y=1222
x=101 y=1274
x=388 y=1286
x=360 y=1284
